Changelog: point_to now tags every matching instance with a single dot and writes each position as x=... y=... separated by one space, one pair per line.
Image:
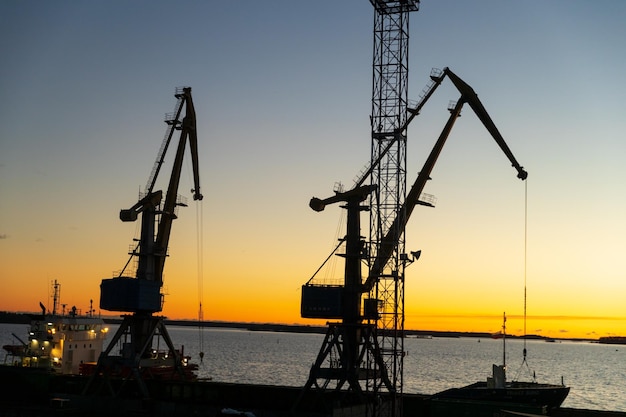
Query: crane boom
x=412 y=199
x=173 y=121
x=155 y=235
x=470 y=96
x=188 y=132
x=436 y=78
x=467 y=96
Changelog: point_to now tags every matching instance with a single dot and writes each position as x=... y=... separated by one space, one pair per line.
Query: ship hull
x=549 y=395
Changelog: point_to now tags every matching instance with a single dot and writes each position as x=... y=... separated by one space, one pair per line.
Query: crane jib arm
x=471 y=98
x=143 y=292
x=395 y=231
x=188 y=132
x=412 y=199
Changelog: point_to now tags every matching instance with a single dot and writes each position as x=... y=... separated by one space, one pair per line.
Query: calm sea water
x=596 y=373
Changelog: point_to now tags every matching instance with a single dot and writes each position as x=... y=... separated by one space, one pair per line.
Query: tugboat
x=60 y=343
x=496 y=389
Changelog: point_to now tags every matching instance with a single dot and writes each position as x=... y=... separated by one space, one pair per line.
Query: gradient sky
x=282 y=91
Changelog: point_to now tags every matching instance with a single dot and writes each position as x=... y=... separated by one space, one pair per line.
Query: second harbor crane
x=141 y=294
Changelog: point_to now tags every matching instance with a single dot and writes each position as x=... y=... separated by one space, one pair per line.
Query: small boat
x=60 y=343
x=497 y=389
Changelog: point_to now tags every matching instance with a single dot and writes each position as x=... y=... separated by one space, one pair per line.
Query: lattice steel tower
x=361 y=359
x=388 y=157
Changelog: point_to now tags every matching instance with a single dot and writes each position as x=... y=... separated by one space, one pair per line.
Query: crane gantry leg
x=350 y=353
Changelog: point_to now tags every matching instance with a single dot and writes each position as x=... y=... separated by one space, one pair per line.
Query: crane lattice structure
x=388 y=158
x=359 y=368
x=141 y=294
x=360 y=360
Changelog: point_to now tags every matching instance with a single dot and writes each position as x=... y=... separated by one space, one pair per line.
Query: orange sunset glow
x=283 y=105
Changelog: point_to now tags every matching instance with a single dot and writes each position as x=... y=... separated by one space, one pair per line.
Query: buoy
x=201 y=356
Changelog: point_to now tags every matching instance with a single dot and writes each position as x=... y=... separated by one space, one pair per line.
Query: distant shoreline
x=24 y=318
